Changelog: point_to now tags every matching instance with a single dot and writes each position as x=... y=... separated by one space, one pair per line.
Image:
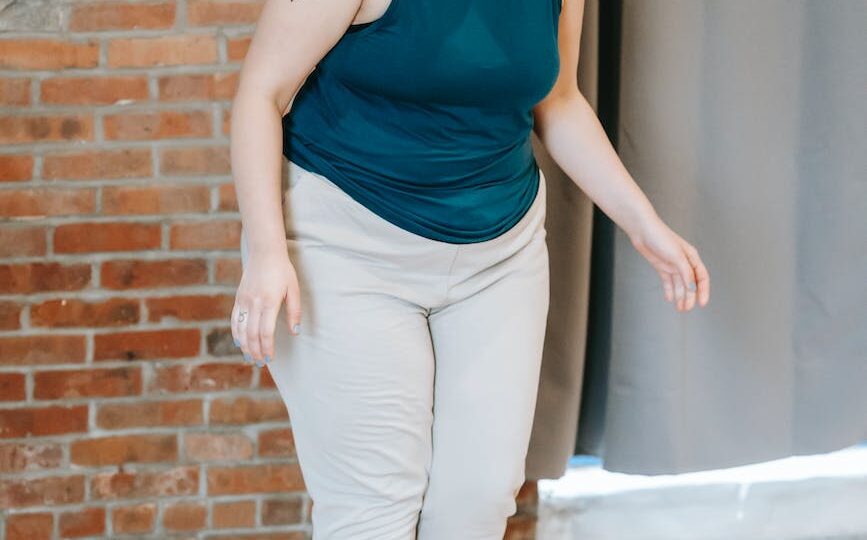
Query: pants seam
x=449 y=275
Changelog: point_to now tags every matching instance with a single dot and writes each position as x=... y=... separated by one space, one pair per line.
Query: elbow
x=554 y=106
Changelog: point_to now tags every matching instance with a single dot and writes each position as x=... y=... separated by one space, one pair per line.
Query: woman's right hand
x=267 y=281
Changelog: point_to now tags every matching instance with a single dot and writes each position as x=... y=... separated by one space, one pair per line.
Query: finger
x=679 y=290
x=240 y=321
x=233 y=324
x=293 y=308
x=667 y=286
x=689 y=300
x=266 y=331
x=701 y=275
x=253 y=332
x=688 y=277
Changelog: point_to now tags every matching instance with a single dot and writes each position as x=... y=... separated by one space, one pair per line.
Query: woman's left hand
x=683 y=274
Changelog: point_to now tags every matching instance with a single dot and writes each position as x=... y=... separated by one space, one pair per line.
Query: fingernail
x=247 y=357
x=259 y=365
x=237 y=343
x=295 y=328
x=267 y=358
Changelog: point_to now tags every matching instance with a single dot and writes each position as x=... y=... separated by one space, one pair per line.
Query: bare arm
x=571 y=132
x=290 y=39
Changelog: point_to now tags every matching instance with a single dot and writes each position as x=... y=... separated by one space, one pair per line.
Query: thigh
x=358 y=384
x=357 y=381
x=488 y=349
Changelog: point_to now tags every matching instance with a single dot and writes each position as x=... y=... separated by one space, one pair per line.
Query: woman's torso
x=424 y=114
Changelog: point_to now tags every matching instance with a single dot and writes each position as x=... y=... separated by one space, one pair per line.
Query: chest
x=482 y=53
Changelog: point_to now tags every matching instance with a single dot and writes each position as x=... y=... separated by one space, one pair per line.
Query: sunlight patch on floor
x=592 y=481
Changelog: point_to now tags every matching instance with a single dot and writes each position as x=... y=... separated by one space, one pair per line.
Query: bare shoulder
x=290 y=38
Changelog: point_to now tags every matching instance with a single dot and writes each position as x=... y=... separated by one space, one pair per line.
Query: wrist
x=268 y=249
x=638 y=218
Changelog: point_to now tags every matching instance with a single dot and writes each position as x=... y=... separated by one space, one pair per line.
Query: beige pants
x=412 y=385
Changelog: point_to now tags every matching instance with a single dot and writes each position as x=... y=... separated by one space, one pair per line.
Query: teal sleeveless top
x=424 y=115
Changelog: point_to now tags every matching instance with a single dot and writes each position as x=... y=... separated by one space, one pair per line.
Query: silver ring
x=242 y=316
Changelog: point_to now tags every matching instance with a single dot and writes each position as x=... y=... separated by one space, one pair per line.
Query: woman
x=408 y=236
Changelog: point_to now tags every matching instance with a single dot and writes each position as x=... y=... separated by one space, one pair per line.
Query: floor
x=798 y=498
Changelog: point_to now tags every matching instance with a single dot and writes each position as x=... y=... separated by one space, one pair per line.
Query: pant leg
x=488 y=348
x=358 y=380
x=358 y=383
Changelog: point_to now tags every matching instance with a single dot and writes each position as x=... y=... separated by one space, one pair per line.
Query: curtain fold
x=744 y=122
x=569 y=225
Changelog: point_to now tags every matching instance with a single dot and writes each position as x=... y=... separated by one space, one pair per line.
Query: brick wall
x=124 y=406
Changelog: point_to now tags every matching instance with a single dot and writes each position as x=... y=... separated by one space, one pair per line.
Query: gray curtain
x=569 y=224
x=745 y=123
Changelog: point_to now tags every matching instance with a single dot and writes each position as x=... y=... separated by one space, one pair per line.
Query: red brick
x=48 y=54
x=199 y=87
x=110 y=382
x=227 y=271
x=35 y=526
x=184 y=517
x=266 y=380
x=190 y=308
x=223 y=12
x=138 y=274
x=14 y=92
x=137 y=126
x=79 y=523
x=73 y=312
x=217 y=446
x=136 y=519
x=97 y=164
x=202 y=377
x=41 y=202
x=283 y=511
x=234 y=515
x=21 y=241
x=236 y=48
x=147 y=344
x=176 y=50
x=228 y=202
x=271 y=478
x=277 y=443
x=42 y=421
x=21 y=492
x=135 y=200
x=41 y=276
x=121 y=16
x=94 y=90
x=21 y=129
x=122 y=449
x=220 y=342
x=95 y=237
x=12 y=387
x=246 y=410
x=45 y=349
x=16 y=168
x=150 y=414
x=211 y=234
x=227 y=122
x=21 y=457
x=174 y=482
x=199 y=160
x=10 y=315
